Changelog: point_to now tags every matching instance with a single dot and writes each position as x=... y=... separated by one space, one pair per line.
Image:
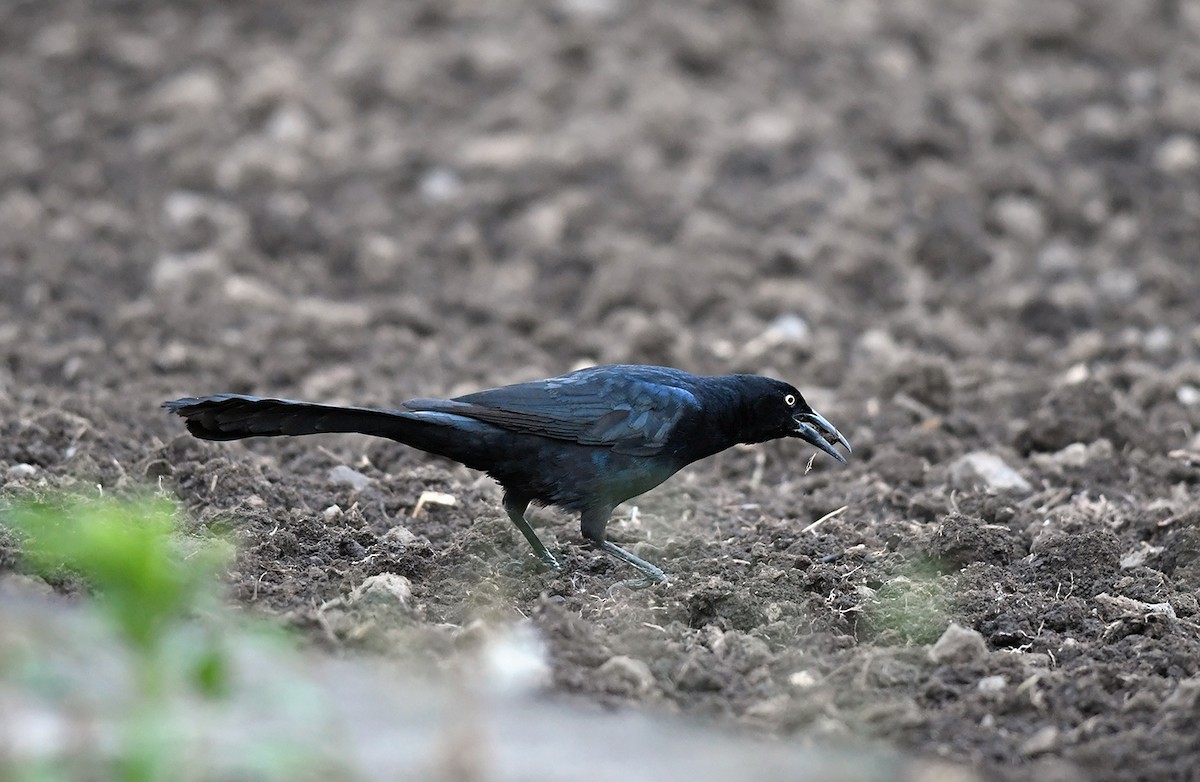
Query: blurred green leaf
x=128 y=551
x=212 y=676
x=155 y=587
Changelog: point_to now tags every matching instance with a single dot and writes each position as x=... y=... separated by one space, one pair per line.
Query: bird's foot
x=547 y=559
x=635 y=584
x=653 y=573
x=544 y=561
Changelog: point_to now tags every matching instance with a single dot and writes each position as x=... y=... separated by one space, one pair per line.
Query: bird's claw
x=523 y=567
x=653 y=574
x=547 y=559
x=547 y=562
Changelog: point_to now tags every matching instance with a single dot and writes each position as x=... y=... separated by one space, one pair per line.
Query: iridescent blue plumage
x=586 y=441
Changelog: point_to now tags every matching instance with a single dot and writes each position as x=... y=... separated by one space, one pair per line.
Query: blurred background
x=967 y=231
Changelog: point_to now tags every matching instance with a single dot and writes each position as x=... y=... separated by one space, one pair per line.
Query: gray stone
x=958 y=644
x=986 y=469
x=349 y=477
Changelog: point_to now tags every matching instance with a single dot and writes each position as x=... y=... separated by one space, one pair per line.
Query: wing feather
x=632 y=410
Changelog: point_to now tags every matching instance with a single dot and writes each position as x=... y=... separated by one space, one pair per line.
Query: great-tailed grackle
x=586 y=441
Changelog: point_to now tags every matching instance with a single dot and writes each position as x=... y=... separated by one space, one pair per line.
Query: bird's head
x=777 y=409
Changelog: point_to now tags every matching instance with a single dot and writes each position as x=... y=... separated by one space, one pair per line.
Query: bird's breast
x=619 y=477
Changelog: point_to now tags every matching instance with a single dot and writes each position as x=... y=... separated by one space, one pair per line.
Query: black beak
x=813 y=428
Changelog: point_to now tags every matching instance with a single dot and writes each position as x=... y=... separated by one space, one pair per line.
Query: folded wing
x=631 y=413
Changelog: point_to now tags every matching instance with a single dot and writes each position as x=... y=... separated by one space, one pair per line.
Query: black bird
x=586 y=441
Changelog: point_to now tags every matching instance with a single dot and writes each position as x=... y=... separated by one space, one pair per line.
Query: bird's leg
x=654 y=574
x=593 y=524
x=515 y=507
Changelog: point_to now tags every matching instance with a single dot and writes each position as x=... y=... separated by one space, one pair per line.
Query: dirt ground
x=967 y=231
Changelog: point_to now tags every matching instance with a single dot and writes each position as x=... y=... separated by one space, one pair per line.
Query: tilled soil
x=968 y=232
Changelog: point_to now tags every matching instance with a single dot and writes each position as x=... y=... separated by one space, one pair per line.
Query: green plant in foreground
x=149 y=582
x=156 y=589
x=130 y=554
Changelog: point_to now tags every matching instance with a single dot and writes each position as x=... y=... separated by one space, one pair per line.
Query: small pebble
x=400 y=534
x=994 y=683
x=802 y=680
x=958 y=644
x=21 y=470
x=348 y=476
x=1045 y=740
x=1188 y=395
x=383 y=588
x=1020 y=217
x=625 y=674
x=440 y=184
x=1158 y=340
x=1177 y=154
x=1140 y=555
x=987 y=469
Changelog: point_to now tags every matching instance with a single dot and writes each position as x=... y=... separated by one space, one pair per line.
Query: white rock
x=176 y=270
x=980 y=467
x=958 y=644
x=252 y=292
x=1158 y=339
x=21 y=470
x=348 y=476
x=196 y=90
x=791 y=328
x=802 y=680
x=1045 y=740
x=877 y=344
x=994 y=683
x=1140 y=555
x=336 y=314
x=499 y=151
x=1177 y=154
x=1058 y=257
x=1075 y=455
x=383 y=588
x=1075 y=375
x=182 y=207
x=290 y=124
x=590 y=9
x=786 y=329
x=1021 y=217
x=440 y=184
x=400 y=534
x=174 y=355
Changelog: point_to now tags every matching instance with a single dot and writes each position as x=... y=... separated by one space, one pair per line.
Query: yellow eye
x=789 y=400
